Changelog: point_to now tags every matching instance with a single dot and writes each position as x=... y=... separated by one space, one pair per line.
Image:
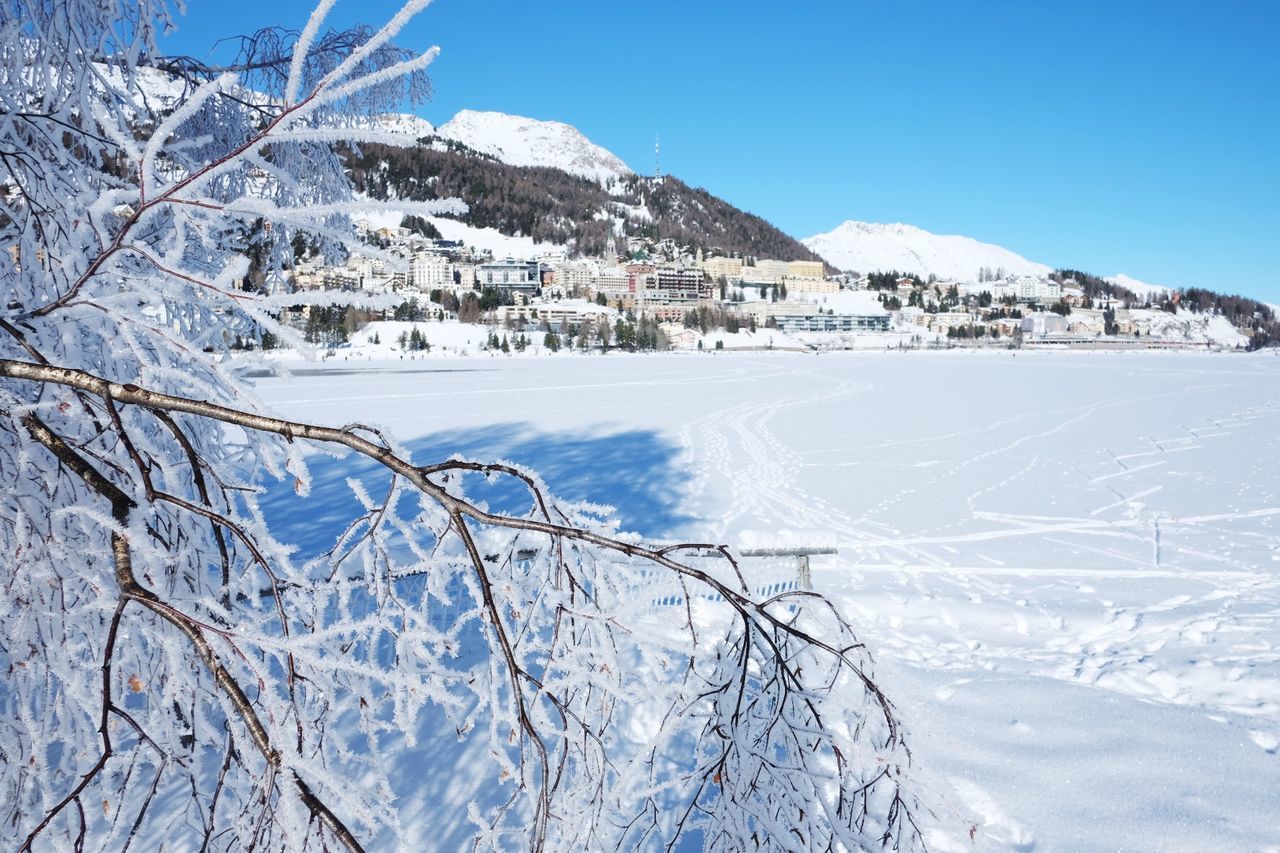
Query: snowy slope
x=492 y=240
x=155 y=91
x=520 y=141
x=484 y=239
x=1186 y=326
x=1141 y=288
x=406 y=124
x=874 y=247
x=845 y=302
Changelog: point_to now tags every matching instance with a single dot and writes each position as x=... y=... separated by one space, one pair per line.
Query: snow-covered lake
x=1066 y=565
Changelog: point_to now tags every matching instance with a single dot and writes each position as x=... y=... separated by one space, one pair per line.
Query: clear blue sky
x=1135 y=137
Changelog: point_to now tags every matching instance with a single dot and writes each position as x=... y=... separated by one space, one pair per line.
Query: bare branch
x=132 y=590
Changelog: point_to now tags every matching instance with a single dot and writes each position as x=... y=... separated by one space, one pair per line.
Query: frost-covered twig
x=766 y=663
x=177 y=672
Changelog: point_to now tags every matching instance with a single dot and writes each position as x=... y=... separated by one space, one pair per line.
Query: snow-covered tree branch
x=174 y=672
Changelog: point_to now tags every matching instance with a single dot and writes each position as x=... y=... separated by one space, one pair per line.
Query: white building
x=430 y=271
x=613 y=281
x=573 y=311
x=576 y=277
x=464 y=276
x=998 y=289
x=678 y=337
x=835 y=323
x=810 y=284
x=1029 y=288
x=360 y=272
x=944 y=320
x=763 y=310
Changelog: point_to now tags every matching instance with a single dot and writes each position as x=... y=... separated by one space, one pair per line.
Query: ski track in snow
x=1125 y=648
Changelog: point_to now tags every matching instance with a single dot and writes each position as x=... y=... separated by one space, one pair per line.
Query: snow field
x=1066 y=564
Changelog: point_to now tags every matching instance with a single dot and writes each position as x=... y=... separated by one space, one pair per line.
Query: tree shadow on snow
x=637 y=472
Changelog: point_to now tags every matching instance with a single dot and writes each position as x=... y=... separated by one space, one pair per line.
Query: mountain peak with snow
x=1141 y=288
x=520 y=141
x=406 y=124
x=875 y=247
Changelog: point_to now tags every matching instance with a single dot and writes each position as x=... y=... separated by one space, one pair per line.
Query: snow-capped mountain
x=407 y=124
x=154 y=91
x=1141 y=288
x=520 y=141
x=874 y=247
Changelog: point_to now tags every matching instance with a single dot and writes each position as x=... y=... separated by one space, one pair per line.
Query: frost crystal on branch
x=175 y=673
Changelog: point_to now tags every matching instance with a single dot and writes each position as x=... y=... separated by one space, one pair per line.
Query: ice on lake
x=1066 y=565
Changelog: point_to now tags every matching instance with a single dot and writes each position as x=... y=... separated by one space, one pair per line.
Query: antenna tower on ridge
x=657 y=157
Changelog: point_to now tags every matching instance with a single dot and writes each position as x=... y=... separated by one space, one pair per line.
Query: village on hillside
x=657 y=295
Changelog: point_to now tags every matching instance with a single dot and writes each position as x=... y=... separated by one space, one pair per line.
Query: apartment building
x=762 y=310
x=728 y=268
x=1029 y=288
x=810 y=284
x=805 y=269
x=835 y=323
x=430 y=271
x=510 y=276
x=670 y=292
x=576 y=277
x=767 y=271
x=571 y=311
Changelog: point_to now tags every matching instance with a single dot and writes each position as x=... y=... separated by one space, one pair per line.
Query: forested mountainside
x=1256 y=319
x=551 y=205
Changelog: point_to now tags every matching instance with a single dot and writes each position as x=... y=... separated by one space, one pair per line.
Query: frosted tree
x=175 y=676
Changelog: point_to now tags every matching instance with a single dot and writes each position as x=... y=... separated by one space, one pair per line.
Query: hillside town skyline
x=682 y=290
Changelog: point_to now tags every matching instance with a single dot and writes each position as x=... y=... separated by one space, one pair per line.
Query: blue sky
x=1135 y=137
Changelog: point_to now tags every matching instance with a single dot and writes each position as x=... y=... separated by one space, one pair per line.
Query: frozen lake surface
x=1066 y=565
